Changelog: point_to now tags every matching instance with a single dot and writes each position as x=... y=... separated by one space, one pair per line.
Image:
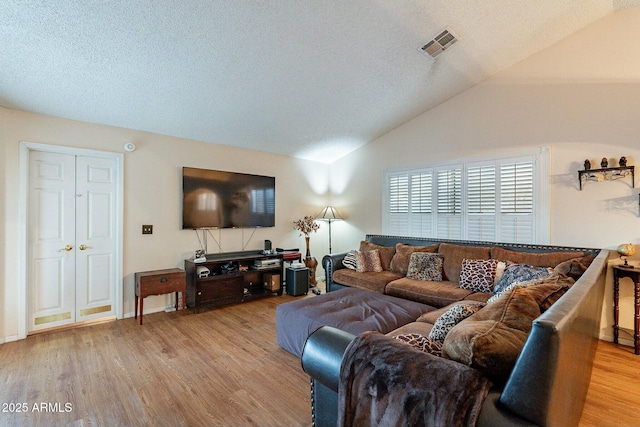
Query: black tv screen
x=219 y=199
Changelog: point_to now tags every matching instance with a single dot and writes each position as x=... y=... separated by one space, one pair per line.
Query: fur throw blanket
x=385 y=382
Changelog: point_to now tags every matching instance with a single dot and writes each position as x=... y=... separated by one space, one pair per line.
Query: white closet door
x=95 y=237
x=51 y=236
x=72 y=238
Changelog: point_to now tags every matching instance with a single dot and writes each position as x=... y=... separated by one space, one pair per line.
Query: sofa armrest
x=331 y=263
x=322 y=355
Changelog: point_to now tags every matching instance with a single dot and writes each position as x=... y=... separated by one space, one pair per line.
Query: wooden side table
x=634 y=274
x=159 y=282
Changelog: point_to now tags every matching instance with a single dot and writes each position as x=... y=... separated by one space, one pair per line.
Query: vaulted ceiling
x=310 y=79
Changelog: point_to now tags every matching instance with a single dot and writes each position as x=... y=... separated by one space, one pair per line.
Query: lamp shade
x=329 y=214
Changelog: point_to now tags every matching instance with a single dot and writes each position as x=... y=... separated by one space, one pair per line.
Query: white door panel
x=96 y=239
x=52 y=237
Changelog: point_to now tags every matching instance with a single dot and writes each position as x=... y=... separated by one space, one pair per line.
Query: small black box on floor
x=297 y=281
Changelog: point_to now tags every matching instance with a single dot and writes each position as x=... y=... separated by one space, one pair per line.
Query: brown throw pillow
x=548 y=290
x=546 y=259
x=400 y=261
x=386 y=252
x=368 y=261
x=492 y=339
x=575 y=266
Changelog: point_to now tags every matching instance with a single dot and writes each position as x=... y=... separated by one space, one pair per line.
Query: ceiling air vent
x=440 y=43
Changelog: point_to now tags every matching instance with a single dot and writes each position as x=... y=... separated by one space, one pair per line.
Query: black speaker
x=267 y=246
x=297 y=281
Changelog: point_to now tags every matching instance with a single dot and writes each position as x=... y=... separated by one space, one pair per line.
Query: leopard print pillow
x=478 y=275
x=421 y=342
x=451 y=318
x=425 y=266
x=368 y=261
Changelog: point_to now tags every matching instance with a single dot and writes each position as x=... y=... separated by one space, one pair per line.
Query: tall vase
x=311 y=264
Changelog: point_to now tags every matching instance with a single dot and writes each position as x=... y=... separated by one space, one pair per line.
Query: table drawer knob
x=163 y=279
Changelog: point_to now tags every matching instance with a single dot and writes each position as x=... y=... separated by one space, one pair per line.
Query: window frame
x=539 y=218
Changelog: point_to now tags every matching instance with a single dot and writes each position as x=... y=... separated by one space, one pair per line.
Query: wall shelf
x=607 y=174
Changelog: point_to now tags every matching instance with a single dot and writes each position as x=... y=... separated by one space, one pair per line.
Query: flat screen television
x=219 y=199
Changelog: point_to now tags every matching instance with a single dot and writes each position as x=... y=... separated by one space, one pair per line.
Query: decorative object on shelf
x=606 y=174
x=330 y=215
x=587 y=164
x=306 y=226
x=604 y=162
x=626 y=250
x=622 y=162
x=200 y=256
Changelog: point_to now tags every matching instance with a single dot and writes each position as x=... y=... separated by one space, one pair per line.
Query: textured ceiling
x=310 y=79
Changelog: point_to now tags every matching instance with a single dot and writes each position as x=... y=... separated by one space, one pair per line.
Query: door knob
x=66 y=248
x=83 y=247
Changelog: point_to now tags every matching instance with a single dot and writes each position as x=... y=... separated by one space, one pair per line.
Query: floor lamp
x=329 y=214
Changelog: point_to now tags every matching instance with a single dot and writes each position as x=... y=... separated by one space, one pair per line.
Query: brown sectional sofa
x=393 y=281
x=554 y=325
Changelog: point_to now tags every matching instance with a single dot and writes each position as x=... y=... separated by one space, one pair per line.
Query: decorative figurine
x=587 y=164
x=604 y=163
x=623 y=162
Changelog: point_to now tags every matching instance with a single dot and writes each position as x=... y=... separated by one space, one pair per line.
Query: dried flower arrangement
x=306 y=225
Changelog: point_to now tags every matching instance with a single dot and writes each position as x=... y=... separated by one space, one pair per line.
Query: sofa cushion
x=400 y=261
x=478 y=297
x=437 y=294
x=451 y=318
x=519 y=273
x=491 y=339
x=421 y=342
x=369 y=280
x=574 y=267
x=386 y=252
x=368 y=261
x=478 y=274
x=546 y=259
x=421 y=328
x=425 y=266
x=454 y=254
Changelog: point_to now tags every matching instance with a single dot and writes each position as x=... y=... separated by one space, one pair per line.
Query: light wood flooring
x=221 y=367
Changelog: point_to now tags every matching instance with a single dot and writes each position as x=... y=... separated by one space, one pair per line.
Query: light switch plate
x=147 y=229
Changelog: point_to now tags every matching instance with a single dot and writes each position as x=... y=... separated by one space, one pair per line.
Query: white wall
x=581 y=97
x=152 y=195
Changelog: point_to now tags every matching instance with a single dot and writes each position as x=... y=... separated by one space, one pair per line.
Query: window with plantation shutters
x=517 y=223
x=501 y=198
x=421 y=204
x=409 y=204
x=398 y=204
x=449 y=206
x=481 y=202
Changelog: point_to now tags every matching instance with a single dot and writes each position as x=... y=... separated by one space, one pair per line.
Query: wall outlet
x=147 y=229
